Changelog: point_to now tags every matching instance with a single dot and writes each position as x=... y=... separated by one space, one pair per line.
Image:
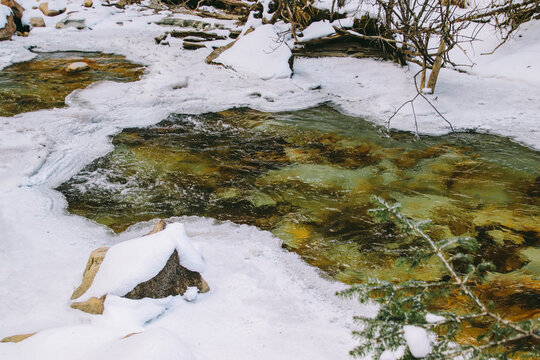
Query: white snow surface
x=316 y=30
x=417 y=340
x=264 y=302
x=5 y=12
x=132 y=262
x=56 y=5
x=261 y=53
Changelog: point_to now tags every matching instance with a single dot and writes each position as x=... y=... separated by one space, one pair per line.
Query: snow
x=118 y=334
x=57 y=5
x=261 y=53
x=316 y=30
x=155 y=343
x=5 y=12
x=417 y=340
x=132 y=262
x=191 y=293
x=264 y=302
x=433 y=318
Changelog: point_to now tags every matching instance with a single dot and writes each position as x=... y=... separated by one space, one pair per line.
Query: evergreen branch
x=458 y=279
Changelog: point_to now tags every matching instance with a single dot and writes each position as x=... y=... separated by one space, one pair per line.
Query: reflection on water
x=308 y=176
x=44 y=83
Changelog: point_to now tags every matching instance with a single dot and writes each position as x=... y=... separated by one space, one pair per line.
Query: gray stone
x=173 y=279
x=71 y=22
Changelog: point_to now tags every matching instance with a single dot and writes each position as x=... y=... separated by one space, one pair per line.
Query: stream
x=309 y=176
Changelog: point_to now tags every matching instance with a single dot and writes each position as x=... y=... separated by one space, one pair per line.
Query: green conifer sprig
x=409 y=303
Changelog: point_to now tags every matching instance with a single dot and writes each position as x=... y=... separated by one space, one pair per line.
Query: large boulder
x=173 y=279
x=9 y=28
x=14 y=21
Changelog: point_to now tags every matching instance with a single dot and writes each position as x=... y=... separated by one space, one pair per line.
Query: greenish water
x=44 y=83
x=308 y=177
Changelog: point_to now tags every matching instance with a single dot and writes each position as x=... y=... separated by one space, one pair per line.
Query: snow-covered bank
x=265 y=303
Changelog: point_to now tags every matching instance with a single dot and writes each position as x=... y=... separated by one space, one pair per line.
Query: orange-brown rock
x=173 y=279
x=44 y=7
x=9 y=30
x=16 y=338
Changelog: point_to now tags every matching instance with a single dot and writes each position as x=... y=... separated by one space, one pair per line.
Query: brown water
x=44 y=83
x=308 y=176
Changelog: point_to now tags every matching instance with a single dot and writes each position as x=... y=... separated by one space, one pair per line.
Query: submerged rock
x=77 y=66
x=173 y=279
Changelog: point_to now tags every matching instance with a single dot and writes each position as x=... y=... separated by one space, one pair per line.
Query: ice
x=132 y=262
x=417 y=340
x=262 y=53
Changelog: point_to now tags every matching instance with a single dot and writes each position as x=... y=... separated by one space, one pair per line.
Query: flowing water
x=309 y=176
x=44 y=83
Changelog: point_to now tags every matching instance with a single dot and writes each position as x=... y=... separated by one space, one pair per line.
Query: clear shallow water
x=308 y=176
x=44 y=83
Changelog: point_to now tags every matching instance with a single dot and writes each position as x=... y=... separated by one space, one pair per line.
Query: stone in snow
x=37 y=21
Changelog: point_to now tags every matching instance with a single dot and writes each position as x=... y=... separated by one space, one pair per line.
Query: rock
x=196 y=34
x=9 y=30
x=159 y=39
x=158 y=226
x=215 y=54
x=173 y=279
x=90 y=271
x=15 y=7
x=44 y=7
x=17 y=11
x=77 y=66
x=37 y=21
x=79 y=24
x=88 y=3
x=92 y=306
x=188 y=45
x=120 y=4
x=16 y=338
x=155 y=4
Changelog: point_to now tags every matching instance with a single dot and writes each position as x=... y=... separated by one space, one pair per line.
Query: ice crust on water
x=132 y=262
